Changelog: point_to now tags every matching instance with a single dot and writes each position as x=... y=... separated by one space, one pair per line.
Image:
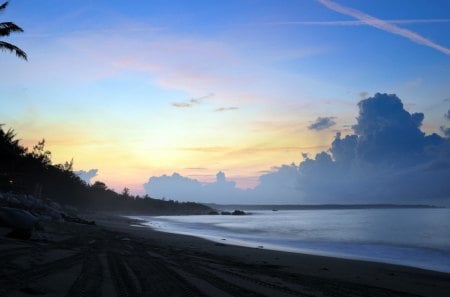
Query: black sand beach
x=115 y=258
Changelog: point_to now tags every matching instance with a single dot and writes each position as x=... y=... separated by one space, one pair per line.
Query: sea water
x=417 y=237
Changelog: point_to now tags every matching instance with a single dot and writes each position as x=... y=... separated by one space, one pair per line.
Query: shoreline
x=390 y=276
x=304 y=251
x=114 y=257
x=340 y=250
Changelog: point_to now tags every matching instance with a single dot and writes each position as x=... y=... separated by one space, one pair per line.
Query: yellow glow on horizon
x=127 y=155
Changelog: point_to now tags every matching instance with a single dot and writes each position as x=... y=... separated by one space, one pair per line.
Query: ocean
x=417 y=237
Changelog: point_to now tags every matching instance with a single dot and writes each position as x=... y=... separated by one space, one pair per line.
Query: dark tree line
x=27 y=171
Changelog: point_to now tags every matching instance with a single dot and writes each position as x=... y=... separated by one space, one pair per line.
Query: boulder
x=16 y=218
x=20 y=221
x=238 y=212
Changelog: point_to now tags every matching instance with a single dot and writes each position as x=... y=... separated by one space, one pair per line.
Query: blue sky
x=104 y=78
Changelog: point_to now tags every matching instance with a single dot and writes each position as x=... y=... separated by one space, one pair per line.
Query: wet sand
x=115 y=258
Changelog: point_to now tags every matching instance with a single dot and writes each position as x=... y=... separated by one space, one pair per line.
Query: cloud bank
x=387 y=159
x=182 y=188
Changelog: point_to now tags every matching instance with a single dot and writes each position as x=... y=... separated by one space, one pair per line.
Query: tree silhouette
x=24 y=171
x=6 y=28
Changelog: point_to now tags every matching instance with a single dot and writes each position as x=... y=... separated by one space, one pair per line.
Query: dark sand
x=116 y=259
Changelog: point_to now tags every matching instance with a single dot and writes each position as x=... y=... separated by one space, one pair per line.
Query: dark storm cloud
x=322 y=123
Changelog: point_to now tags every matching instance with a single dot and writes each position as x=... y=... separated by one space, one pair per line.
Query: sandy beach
x=117 y=257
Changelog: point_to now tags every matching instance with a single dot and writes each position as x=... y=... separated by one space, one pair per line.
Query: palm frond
x=14 y=49
x=3 y=6
x=7 y=28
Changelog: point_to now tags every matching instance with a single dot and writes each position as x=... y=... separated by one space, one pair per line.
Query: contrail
x=383 y=25
x=359 y=23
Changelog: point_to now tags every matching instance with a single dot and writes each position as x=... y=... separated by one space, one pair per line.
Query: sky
x=138 y=89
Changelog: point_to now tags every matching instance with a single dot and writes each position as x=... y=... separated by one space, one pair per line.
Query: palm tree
x=6 y=28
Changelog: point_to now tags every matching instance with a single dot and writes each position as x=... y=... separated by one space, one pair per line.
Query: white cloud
x=360 y=23
x=383 y=25
x=388 y=159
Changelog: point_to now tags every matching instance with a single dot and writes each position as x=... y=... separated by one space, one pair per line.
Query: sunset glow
x=155 y=87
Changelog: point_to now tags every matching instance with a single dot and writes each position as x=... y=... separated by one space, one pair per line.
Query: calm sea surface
x=412 y=237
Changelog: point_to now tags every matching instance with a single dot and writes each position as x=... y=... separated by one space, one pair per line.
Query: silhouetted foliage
x=32 y=172
x=6 y=28
x=126 y=193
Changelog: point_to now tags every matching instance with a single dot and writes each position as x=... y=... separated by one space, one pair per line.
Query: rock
x=238 y=212
x=225 y=213
x=17 y=218
x=54 y=205
x=20 y=221
x=53 y=214
x=70 y=210
x=77 y=220
x=213 y=212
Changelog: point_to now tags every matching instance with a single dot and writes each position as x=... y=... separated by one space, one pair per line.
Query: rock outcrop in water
x=236 y=212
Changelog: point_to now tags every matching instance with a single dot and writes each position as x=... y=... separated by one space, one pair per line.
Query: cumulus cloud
x=387 y=159
x=446 y=131
x=178 y=187
x=363 y=95
x=322 y=123
x=87 y=176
